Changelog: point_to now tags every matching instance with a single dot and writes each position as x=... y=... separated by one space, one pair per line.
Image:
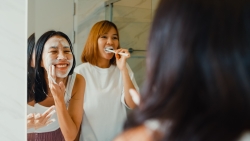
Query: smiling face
x=105 y=40
x=57 y=52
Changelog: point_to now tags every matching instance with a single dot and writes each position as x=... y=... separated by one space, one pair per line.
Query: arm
x=69 y=120
x=127 y=82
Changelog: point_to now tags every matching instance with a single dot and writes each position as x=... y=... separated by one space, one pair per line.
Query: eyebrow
x=107 y=33
x=57 y=47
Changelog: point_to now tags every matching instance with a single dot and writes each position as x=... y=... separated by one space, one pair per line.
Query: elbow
x=132 y=106
x=70 y=137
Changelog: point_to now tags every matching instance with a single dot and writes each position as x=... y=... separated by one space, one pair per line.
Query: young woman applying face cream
x=56 y=84
x=108 y=79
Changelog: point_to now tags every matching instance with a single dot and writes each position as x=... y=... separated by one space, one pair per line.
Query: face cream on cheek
x=48 y=62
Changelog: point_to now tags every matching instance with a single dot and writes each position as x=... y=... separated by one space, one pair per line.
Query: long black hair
x=41 y=89
x=31 y=74
x=198 y=70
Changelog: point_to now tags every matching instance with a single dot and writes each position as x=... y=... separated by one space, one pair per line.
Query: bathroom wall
x=13 y=35
x=133 y=19
x=88 y=12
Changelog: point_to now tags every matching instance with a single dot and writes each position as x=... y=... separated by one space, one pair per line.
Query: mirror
x=76 y=18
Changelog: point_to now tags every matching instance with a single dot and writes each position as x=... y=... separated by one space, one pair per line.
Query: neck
x=103 y=63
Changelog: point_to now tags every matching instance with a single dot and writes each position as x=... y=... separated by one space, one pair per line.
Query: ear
x=42 y=64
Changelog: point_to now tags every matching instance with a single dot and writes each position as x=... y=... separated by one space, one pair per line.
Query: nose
x=61 y=55
x=110 y=41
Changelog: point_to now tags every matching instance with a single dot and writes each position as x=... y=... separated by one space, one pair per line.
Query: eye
x=67 y=51
x=53 y=51
x=104 y=36
x=115 y=38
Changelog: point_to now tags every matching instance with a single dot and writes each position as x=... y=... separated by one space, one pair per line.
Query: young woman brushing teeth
x=108 y=80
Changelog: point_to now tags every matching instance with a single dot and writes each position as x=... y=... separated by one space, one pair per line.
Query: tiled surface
x=133 y=19
x=88 y=12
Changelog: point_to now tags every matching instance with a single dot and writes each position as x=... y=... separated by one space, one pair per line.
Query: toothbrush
x=111 y=50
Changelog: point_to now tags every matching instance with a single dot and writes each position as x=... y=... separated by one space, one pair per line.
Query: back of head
x=31 y=44
x=198 y=69
x=90 y=52
x=40 y=83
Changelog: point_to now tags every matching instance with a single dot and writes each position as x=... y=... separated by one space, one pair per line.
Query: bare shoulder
x=135 y=134
x=79 y=80
x=79 y=85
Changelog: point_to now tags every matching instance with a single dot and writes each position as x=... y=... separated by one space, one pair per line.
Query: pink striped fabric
x=48 y=136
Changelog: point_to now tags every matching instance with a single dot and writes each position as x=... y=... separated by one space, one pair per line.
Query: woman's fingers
x=53 y=72
x=62 y=86
x=48 y=111
x=30 y=116
x=47 y=117
x=51 y=75
x=37 y=116
x=42 y=120
x=30 y=121
x=40 y=117
x=123 y=51
x=50 y=121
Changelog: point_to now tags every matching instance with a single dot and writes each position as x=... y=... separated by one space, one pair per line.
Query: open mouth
x=62 y=65
x=109 y=49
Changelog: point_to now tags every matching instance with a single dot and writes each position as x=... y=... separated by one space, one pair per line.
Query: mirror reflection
x=105 y=82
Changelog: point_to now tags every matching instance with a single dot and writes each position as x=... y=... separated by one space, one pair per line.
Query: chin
x=109 y=57
x=62 y=75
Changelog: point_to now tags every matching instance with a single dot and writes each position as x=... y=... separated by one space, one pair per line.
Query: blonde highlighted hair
x=90 y=51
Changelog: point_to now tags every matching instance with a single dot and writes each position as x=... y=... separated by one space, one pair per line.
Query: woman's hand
x=57 y=90
x=121 y=59
x=40 y=120
x=30 y=121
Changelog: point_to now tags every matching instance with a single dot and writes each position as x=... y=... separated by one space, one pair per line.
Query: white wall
x=54 y=15
x=13 y=38
x=31 y=17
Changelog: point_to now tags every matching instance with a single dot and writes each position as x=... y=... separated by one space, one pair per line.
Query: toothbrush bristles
x=112 y=50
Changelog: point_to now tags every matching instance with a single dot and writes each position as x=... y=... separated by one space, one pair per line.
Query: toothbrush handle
x=124 y=54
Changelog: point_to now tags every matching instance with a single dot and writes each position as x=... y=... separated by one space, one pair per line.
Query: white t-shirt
x=245 y=136
x=104 y=105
